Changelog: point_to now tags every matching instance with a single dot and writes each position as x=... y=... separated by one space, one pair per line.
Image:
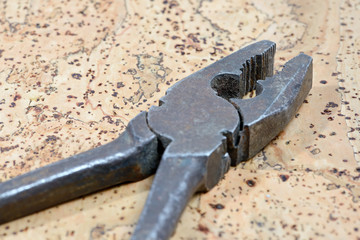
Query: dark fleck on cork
x=251 y=183
x=203 y=228
x=76 y=76
x=217 y=206
x=284 y=177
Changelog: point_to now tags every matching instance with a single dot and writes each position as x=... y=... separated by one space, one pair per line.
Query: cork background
x=73 y=74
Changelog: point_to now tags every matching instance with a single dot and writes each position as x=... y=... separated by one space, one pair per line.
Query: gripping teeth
x=256 y=68
x=237 y=74
x=279 y=91
x=264 y=116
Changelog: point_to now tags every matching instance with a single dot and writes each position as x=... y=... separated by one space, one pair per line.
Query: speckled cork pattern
x=73 y=73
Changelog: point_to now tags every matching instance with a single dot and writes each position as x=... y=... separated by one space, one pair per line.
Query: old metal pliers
x=200 y=128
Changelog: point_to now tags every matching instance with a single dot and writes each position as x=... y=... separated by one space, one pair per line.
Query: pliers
x=201 y=127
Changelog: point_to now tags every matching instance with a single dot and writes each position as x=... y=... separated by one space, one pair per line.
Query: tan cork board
x=73 y=73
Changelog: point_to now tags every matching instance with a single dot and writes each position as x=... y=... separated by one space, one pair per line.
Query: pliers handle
x=133 y=156
x=200 y=128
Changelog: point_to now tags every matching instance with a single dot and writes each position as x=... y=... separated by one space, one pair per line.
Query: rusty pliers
x=201 y=127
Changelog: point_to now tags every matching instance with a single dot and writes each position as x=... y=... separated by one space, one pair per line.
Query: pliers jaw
x=205 y=124
x=278 y=99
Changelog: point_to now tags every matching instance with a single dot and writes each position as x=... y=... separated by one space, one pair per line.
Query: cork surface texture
x=73 y=74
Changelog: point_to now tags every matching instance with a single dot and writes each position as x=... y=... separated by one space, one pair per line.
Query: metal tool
x=201 y=127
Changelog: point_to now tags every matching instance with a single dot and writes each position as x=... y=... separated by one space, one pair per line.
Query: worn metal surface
x=131 y=157
x=204 y=126
x=202 y=130
x=279 y=98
